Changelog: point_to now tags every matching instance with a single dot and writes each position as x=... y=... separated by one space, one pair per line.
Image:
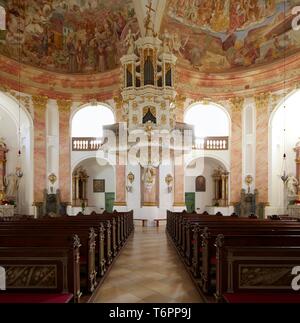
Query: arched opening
x=206 y=185
x=284 y=135
x=89 y=121
x=209 y=120
x=18 y=191
x=93 y=186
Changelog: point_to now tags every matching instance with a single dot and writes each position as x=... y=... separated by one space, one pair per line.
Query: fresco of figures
x=64 y=36
x=228 y=34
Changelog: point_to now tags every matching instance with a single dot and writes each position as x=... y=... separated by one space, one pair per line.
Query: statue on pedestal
x=11 y=183
x=292 y=186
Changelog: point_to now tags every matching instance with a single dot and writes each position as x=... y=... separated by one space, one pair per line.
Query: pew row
x=194 y=237
x=102 y=237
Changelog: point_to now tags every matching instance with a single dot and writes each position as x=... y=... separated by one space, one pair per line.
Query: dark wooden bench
x=110 y=234
x=195 y=237
x=41 y=274
x=256 y=273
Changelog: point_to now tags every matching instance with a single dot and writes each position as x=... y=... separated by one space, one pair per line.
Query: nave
x=148 y=270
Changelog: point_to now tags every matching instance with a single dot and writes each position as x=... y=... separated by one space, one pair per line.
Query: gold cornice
x=150 y=204
x=120 y=204
x=179 y=204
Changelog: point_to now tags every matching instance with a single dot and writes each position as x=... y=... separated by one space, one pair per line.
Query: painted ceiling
x=221 y=35
x=87 y=36
x=74 y=36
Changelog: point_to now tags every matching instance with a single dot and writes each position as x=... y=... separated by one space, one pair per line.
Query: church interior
x=149 y=151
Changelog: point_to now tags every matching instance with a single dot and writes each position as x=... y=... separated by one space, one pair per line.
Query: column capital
x=262 y=100
x=39 y=102
x=64 y=105
x=236 y=104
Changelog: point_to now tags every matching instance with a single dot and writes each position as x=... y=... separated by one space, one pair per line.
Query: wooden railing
x=208 y=143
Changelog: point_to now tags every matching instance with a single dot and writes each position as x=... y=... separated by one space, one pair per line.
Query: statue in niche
x=292 y=185
x=149 y=178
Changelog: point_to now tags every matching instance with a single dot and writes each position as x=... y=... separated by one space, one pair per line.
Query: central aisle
x=148 y=271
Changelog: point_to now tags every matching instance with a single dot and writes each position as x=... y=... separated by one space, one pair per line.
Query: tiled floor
x=148 y=271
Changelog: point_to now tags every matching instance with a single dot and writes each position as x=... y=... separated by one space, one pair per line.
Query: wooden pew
x=195 y=245
x=251 y=273
x=41 y=274
x=81 y=225
x=207 y=260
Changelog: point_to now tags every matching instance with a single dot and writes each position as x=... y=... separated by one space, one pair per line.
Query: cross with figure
x=148 y=21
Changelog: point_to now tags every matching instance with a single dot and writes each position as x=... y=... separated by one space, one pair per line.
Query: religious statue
x=130 y=43
x=148 y=23
x=292 y=185
x=11 y=183
x=149 y=178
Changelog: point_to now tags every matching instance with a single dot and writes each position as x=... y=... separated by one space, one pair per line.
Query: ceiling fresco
x=221 y=35
x=74 y=36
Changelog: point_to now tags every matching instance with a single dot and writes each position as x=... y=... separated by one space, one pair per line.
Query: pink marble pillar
x=297 y=160
x=3 y=151
x=262 y=144
x=179 y=194
x=120 y=185
x=40 y=164
x=64 y=150
x=236 y=149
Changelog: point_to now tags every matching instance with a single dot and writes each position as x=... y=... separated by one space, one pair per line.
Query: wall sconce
x=169 y=180
x=130 y=178
x=52 y=179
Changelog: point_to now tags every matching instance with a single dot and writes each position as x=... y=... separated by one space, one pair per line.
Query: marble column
x=64 y=108
x=179 y=192
x=237 y=105
x=262 y=102
x=3 y=151
x=120 y=200
x=40 y=163
x=179 y=102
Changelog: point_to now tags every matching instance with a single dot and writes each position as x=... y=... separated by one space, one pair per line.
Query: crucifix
x=150 y=7
x=148 y=21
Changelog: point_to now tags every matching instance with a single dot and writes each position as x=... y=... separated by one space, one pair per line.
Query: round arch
x=14 y=110
x=281 y=142
x=201 y=104
x=95 y=171
x=91 y=105
x=210 y=155
x=205 y=166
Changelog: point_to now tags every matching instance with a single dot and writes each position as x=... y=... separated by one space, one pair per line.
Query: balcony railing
x=86 y=144
x=211 y=143
x=208 y=143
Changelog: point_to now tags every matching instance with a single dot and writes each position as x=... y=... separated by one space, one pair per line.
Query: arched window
x=209 y=120
x=89 y=121
x=2 y=18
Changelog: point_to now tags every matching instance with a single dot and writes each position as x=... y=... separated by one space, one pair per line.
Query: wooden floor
x=148 y=270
